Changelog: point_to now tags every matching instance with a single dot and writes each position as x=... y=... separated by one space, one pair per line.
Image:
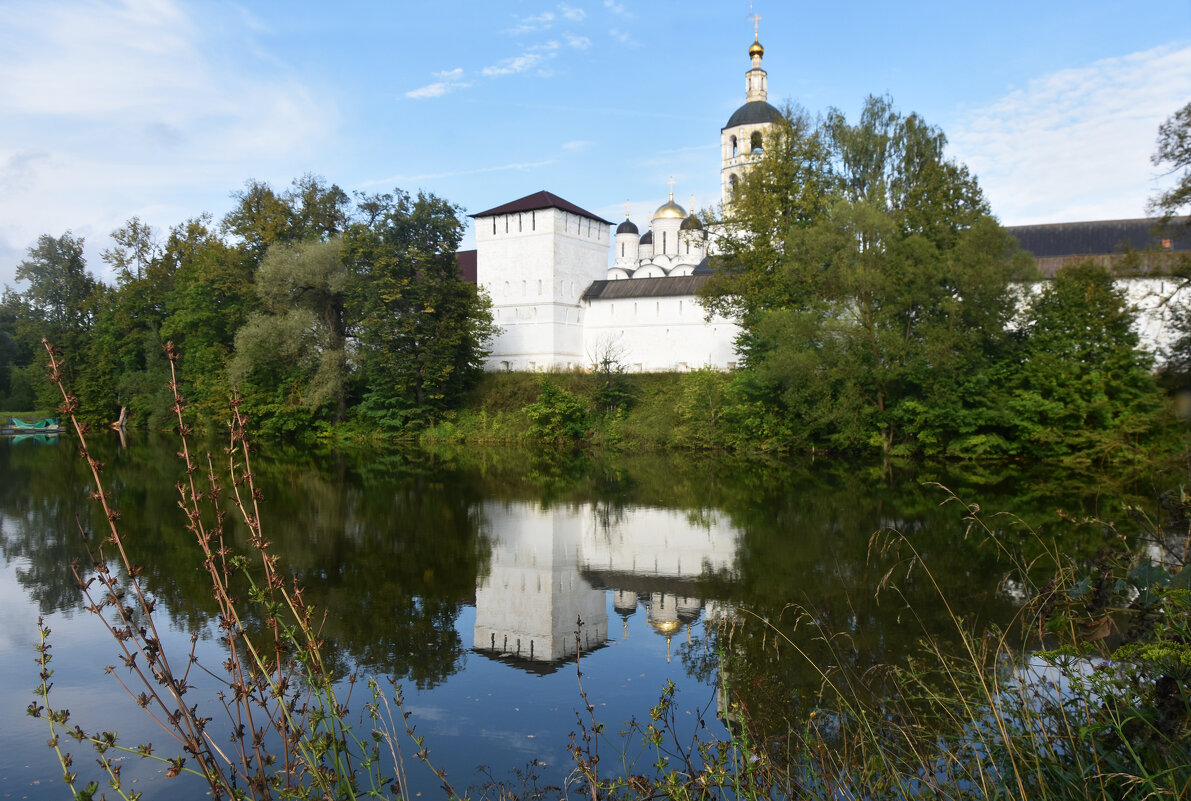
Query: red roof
x=539 y=200
x=467 y=265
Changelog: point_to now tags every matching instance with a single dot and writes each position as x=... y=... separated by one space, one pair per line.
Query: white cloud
x=571 y=13
x=578 y=144
x=532 y=23
x=1076 y=144
x=448 y=81
x=112 y=107
x=615 y=8
x=623 y=37
x=578 y=42
x=531 y=58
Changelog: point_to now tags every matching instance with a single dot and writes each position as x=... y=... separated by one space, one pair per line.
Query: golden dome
x=756 y=49
x=670 y=211
x=665 y=626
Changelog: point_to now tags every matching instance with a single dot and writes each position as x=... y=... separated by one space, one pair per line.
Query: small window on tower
x=755 y=142
x=735 y=149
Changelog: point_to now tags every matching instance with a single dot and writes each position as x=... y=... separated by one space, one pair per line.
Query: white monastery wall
x=657 y=334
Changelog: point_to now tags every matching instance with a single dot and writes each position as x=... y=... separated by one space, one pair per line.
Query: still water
x=465 y=577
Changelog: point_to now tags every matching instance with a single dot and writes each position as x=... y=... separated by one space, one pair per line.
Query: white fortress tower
x=742 y=140
x=535 y=257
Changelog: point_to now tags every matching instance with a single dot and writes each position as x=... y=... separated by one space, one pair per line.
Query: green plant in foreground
x=286 y=730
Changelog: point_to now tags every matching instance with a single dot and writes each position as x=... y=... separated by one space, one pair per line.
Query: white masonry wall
x=658 y=334
x=535 y=266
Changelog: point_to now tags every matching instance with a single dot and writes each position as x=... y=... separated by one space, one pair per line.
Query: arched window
x=755 y=142
x=735 y=149
x=664 y=241
x=732 y=182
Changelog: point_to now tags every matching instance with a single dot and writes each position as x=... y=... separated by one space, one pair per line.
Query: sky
x=162 y=109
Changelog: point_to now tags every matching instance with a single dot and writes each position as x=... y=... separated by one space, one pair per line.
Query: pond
x=474 y=578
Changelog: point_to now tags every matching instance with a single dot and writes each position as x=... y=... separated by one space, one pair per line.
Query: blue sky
x=162 y=108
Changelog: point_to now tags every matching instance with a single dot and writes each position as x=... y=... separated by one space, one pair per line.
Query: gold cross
x=671 y=182
x=756 y=18
x=692 y=204
x=626 y=209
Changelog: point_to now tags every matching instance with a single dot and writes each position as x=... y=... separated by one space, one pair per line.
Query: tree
x=311 y=210
x=1082 y=383
x=1174 y=152
x=295 y=348
x=869 y=296
x=422 y=331
x=58 y=303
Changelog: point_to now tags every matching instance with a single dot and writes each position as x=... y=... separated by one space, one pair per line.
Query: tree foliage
x=1174 y=153
x=868 y=272
x=272 y=299
x=421 y=329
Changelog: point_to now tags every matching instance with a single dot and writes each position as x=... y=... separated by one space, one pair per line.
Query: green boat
x=47 y=425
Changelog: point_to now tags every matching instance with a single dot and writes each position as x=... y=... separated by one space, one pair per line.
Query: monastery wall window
x=539 y=286
x=519 y=229
x=523 y=289
x=664 y=241
x=493 y=226
x=533 y=221
x=680 y=308
x=755 y=142
x=734 y=147
x=506 y=223
x=622 y=250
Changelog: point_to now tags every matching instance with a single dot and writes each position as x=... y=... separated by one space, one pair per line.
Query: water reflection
x=551 y=566
x=464 y=574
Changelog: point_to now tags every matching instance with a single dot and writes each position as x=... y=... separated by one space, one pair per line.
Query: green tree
x=210 y=297
x=1082 y=384
x=1174 y=153
x=422 y=331
x=294 y=351
x=59 y=302
x=872 y=297
x=309 y=210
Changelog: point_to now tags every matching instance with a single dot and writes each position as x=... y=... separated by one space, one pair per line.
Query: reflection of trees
x=389 y=551
x=390 y=544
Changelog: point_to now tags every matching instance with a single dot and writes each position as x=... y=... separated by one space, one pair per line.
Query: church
x=562 y=301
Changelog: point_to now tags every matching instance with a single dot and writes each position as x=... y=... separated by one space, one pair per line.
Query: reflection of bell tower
x=742 y=140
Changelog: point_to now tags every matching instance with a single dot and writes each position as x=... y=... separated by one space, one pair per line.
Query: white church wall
x=659 y=334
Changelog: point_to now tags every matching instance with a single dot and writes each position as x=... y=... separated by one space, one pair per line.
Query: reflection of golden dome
x=665 y=626
x=670 y=211
x=756 y=49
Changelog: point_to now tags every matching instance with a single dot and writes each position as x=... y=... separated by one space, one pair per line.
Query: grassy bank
x=631 y=412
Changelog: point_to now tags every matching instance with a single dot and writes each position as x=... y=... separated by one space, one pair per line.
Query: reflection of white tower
x=528 y=605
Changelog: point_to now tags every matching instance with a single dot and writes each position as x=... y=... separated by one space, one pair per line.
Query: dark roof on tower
x=626 y=227
x=752 y=113
x=539 y=200
x=647 y=237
